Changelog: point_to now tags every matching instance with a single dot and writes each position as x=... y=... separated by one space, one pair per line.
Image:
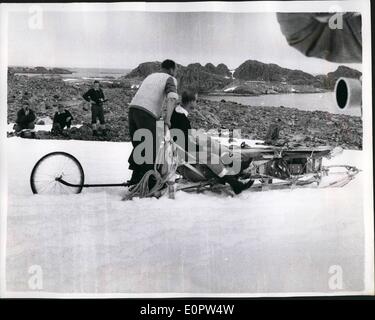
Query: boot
x=151 y=182
x=236 y=185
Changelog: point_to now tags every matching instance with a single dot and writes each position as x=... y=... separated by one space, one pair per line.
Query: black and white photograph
x=207 y=149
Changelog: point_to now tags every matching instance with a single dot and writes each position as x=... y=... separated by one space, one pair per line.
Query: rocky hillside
x=45 y=93
x=329 y=80
x=201 y=78
x=143 y=70
x=251 y=77
x=259 y=71
x=308 y=128
x=194 y=76
x=221 y=69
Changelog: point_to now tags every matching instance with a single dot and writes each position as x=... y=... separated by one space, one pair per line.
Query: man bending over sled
x=195 y=156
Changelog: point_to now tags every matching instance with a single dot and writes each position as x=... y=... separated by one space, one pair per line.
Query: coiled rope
x=142 y=189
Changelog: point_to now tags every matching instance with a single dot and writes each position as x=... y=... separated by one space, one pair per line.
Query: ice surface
x=257 y=242
x=38 y=127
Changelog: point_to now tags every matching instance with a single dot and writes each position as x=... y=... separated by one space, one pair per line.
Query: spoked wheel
x=57 y=173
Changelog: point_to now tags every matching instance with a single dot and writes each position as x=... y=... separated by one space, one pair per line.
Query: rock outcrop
x=194 y=76
x=328 y=81
x=221 y=69
x=200 y=78
x=143 y=70
x=259 y=71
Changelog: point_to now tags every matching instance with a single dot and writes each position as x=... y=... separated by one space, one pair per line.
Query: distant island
x=38 y=70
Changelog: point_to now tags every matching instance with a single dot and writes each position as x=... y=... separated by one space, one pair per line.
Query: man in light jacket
x=146 y=109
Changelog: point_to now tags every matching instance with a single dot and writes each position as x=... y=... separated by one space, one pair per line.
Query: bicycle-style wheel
x=57 y=173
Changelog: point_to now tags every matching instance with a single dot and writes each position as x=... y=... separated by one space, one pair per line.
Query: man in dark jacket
x=25 y=119
x=179 y=118
x=95 y=97
x=63 y=118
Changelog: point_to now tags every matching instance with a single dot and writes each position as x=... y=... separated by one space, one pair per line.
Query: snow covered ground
x=257 y=242
x=38 y=127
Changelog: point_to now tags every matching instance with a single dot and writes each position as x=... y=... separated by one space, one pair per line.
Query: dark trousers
x=139 y=119
x=58 y=127
x=21 y=126
x=97 y=112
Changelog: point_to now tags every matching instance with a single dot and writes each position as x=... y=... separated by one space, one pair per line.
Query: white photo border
x=361 y=6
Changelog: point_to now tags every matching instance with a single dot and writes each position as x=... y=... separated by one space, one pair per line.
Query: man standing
x=146 y=109
x=63 y=118
x=25 y=119
x=273 y=133
x=95 y=97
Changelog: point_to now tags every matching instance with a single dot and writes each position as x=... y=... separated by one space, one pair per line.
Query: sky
x=120 y=39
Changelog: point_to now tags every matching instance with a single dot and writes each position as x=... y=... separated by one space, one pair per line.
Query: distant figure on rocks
x=25 y=119
x=95 y=97
x=273 y=133
x=63 y=118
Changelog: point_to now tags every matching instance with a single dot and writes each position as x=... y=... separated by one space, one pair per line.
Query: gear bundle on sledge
x=273 y=167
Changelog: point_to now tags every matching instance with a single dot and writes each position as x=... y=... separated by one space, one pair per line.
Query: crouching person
x=212 y=165
x=25 y=120
x=62 y=119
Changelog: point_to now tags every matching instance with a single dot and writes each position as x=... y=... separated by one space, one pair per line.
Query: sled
x=274 y=168
x=268 y=168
